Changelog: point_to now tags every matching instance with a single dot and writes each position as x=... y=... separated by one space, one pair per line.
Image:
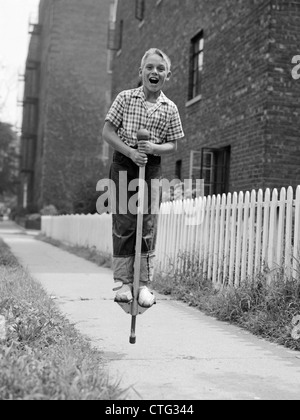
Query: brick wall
x=282 y=159
x=249 y=99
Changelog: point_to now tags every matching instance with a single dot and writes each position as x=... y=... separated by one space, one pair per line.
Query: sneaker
x=124 y=295
x=146 y=298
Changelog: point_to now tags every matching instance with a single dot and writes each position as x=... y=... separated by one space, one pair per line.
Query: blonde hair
x=158 y=52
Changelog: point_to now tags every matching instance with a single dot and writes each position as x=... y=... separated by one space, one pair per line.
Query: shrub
x=49 y=211
x=85 y=197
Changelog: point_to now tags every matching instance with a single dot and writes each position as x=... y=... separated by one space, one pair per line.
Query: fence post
x=206 y=235
x=258 y=243
x=273 y=230
x=245 y=254
x=288 y=254
x=239 y=240
x=280 y=231
x=216 y=246
x=202 y=233
x=266 y=217
x=250 y=271
x=296 y=253
x=233 y=239
x=227 y=237
x=222 y=249
x=211 y=234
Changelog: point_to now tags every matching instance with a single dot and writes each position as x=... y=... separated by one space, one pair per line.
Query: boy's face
x=154 y=73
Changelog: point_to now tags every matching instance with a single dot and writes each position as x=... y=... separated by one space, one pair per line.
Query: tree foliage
x=8 y=159
x=85 y=197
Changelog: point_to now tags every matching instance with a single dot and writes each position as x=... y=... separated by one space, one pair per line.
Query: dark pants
x=123 y=172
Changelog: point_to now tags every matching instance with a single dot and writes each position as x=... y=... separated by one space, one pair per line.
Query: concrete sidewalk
x=180 y=354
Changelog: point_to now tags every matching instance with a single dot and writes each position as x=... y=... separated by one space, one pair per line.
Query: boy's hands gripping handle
x=143 y=134
x=138 y=156
x=144 y=145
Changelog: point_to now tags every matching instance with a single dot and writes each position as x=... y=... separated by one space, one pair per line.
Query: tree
x=85 y=197
x=8 y=160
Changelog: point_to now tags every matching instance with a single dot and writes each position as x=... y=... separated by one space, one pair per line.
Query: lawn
x=42 y=355
x=266 y=309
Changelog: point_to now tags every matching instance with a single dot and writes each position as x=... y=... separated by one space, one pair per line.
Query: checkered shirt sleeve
x=175 y=131
x=115 y=114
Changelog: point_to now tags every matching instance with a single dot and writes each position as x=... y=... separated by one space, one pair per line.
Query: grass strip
x=43 y=356
x=263 y=307
x=90 y=254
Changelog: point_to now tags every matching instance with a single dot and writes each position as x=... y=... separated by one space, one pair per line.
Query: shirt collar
x=140 y=94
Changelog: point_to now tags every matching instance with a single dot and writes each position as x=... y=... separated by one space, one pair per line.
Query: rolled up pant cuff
x=123 y=268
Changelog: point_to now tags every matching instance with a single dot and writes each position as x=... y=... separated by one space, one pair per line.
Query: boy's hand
x=146 y=147
x=140 y=159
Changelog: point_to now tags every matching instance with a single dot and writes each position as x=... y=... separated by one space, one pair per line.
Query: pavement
x=180 y=354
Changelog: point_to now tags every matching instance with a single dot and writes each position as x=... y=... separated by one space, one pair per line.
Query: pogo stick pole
x=141 y=135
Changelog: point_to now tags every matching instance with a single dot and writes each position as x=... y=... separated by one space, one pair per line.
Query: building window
x=212 y=166
x=196 y=65
x=195 y=164
x=112 y=40
x=215 y=166
x=178 y=169
x=115 y=36
x=195 y=169
x=140 y=9
x=111 y=37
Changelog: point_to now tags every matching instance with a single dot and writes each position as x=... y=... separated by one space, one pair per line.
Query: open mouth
x=153 y=80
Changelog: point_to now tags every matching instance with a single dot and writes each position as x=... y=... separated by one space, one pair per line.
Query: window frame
x=219 y=170
x=196 y=66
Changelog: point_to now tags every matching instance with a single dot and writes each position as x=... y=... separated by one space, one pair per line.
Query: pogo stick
x=133 y=308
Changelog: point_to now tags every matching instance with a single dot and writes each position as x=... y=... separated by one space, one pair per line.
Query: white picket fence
x=228 y=238
x=232 y=237
x=81 y=230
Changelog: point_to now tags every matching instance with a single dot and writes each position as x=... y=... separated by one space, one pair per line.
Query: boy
x=145 y=107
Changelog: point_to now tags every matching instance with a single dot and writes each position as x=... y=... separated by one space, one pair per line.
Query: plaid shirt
x=129 y=113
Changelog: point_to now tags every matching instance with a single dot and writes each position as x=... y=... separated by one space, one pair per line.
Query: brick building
x=67 y=93
x=232 y=81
